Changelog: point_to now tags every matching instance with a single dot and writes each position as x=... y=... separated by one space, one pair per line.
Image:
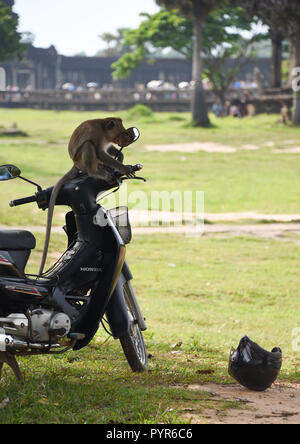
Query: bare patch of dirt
x=146 y=217
x=280 y=231
x=280 y=404
x=250 y=147
x=31 y=141
x=209 y=147
x=295 y=149
x=274 y=231
x=193 y=147
x=290 y=142
x=212 y=147
x=251 y=215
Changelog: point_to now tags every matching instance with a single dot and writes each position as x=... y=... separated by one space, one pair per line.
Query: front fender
x=102 y=293
x=117 y=313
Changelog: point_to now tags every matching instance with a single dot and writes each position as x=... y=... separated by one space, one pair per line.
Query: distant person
x=251 y=109
x=234 y=111
x=258 y=78
x=244 y=106
x=235 y=108
x=217 y=109
x=227 y=108
x=286 y=114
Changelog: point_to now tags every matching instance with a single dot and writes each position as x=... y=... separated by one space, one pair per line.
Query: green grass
x=203 y=292
x=219 y=290
x=243 y=181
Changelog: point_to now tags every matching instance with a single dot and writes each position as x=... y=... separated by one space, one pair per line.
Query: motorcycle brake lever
x=135 y=177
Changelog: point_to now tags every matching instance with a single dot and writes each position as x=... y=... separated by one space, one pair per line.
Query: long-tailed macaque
x=91 y=148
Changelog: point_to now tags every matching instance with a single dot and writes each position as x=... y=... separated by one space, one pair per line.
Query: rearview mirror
x=133 y=133
x=8 y=172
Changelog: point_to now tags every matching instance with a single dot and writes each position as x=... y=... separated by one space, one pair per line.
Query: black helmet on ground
x=254 y=367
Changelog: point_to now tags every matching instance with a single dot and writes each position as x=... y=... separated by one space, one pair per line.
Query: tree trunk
x=221 y=96
x=199 y=108
x=291 y=62
x=276 y=68
x=296 y=100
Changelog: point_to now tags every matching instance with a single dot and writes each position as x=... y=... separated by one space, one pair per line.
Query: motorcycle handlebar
x=24 y=200
x=134 y=168
x=137 y=167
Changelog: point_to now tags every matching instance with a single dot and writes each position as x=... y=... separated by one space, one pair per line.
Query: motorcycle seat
x=16 y=240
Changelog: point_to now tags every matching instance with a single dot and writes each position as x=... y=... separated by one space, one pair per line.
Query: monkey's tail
x=69 y=175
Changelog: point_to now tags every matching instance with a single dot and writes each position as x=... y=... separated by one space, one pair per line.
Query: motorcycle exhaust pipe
x=9 y=343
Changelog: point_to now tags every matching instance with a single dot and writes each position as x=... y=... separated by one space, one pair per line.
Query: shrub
x=140 y=111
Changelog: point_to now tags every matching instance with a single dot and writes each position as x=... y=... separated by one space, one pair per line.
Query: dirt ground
x=296 y=149
x=280 y=404
x=193 y=147
x=280 y=231
x=211 y=147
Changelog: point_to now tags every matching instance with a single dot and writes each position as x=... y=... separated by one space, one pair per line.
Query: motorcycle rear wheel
x=133 y=342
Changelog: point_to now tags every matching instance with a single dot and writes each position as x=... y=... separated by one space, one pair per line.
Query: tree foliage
x=191 y=9
x=10 y=45
x=197 y=11
x=284 y=14
x=114 y=42
x=221 y=40
x=284 y=17
x=160 y=30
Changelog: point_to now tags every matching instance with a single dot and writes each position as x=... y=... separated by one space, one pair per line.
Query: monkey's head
x=116 y=133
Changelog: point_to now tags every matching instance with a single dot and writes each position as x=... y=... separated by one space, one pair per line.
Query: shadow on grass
x=90 y=387
x=193 y=124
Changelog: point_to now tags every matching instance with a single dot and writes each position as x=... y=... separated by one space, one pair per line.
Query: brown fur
x=88 y=146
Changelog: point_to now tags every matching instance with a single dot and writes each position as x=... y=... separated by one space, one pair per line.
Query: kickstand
x=10 y=359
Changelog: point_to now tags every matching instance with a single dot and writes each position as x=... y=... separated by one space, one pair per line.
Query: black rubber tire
x=133 y=345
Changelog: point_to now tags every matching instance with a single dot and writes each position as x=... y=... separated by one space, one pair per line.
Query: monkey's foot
x=10 y=360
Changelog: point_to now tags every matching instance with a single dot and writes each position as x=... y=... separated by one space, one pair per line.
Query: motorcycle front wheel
x=133 y=342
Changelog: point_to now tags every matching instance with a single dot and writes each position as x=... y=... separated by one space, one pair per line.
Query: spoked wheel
x=133 y=343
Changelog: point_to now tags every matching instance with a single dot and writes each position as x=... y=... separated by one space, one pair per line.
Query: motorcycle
x=90 y=284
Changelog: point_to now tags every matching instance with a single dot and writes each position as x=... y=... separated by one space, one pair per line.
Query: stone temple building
x=44 y=68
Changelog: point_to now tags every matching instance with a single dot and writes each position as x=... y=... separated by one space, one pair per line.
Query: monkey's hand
x=129 y=171
x=115 y=153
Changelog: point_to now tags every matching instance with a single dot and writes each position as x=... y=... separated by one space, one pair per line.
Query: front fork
x=133 y=302
x=117 y=312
